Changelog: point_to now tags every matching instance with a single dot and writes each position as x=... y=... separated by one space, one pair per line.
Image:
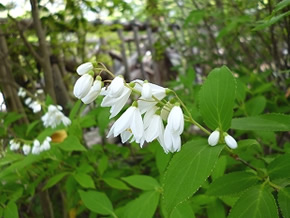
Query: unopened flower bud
x=83 y=85
x=231 y=142
x=84 y=68
x=213 y=139
x=146 y=91
x=93 y=93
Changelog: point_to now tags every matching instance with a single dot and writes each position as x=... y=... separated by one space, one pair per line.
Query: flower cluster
x=34 y=105
x=214 y=138
x=144 y=120
x=54 y=117
x=37 y=147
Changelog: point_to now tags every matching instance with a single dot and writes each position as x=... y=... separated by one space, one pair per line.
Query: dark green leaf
x=255 y=106
x=142 y=207
x=84 y=180
x=11 y=210
x=232 y=183
x=255 y=202
x=284 y=201
x=217 y=97
x=97 y=202
x=216 y=209
x=266 y=122
x=55 y=179
x=71 y=143
x=142 y=182
x=187 y=171
x=280 y=167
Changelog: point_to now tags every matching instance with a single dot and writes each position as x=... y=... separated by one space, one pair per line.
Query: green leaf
x=255 y=106
x=194 y=17
x=74 y=110
x=280 y=167
x=220 y=167
x=103 y=164
x=255 y=202
x=270 y=21
x=142 y=182
x=232 y=183
x=282 y=5
x=216 y=209
x=84 y=180
x=116 y=183
x=87 y=121
x=11 y=210
x=142 y=207
x=72 y=143
x=266 y=122
x=97 y=202
x=284 y=201
x=216 y=99
x=182 y=210
x=187 y=171
x=55 y=179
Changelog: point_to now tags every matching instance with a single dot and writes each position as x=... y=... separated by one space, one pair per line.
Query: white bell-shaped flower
x=214 y=137
x=131 y=123
x=230 y=141
x=116 y=87
x=45 y=144
x=26 y=149
x=155 y=129
x=84 y=68
x=146 y=91
x=36 y=147
x=93 y=93
x=14 y=146
x=117 y=103
x=173 y=130
x=54 y=117
x=83 y=85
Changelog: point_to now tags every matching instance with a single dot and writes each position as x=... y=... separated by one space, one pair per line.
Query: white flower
x=54 y=117
x=35 y=106
x=27 y=101
x=45 y=144
x=14 y=146
x=21 y=92
x=131 y=123
x=213 y=139
x=146 y=104
x=117 y=103
x=36 y=147
x=173 y=130
x=26 y=149
x=154 y=129
x=84 y=68
x=146 y=91
x=230 y=141
x=93 y=93
x=83 y=85
x=116 y=87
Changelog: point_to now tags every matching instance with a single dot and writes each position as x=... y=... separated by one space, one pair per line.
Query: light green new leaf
x=232 y=183
x=142 y=207
x=217 y=97
x=187 y=171
x=255 y=202
x=55 y=179
x=284 y=201
x=97 y=202
x=84 y=180
x=116 y=183
x=72 y=143
x=265 y=122
x=142 y=182
x=280 y=167
x=11 y=210
x=282 y=5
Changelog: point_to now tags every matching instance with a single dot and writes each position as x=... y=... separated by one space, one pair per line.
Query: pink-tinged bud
x=84 y=68
x=214 y=137
x=83 y=85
